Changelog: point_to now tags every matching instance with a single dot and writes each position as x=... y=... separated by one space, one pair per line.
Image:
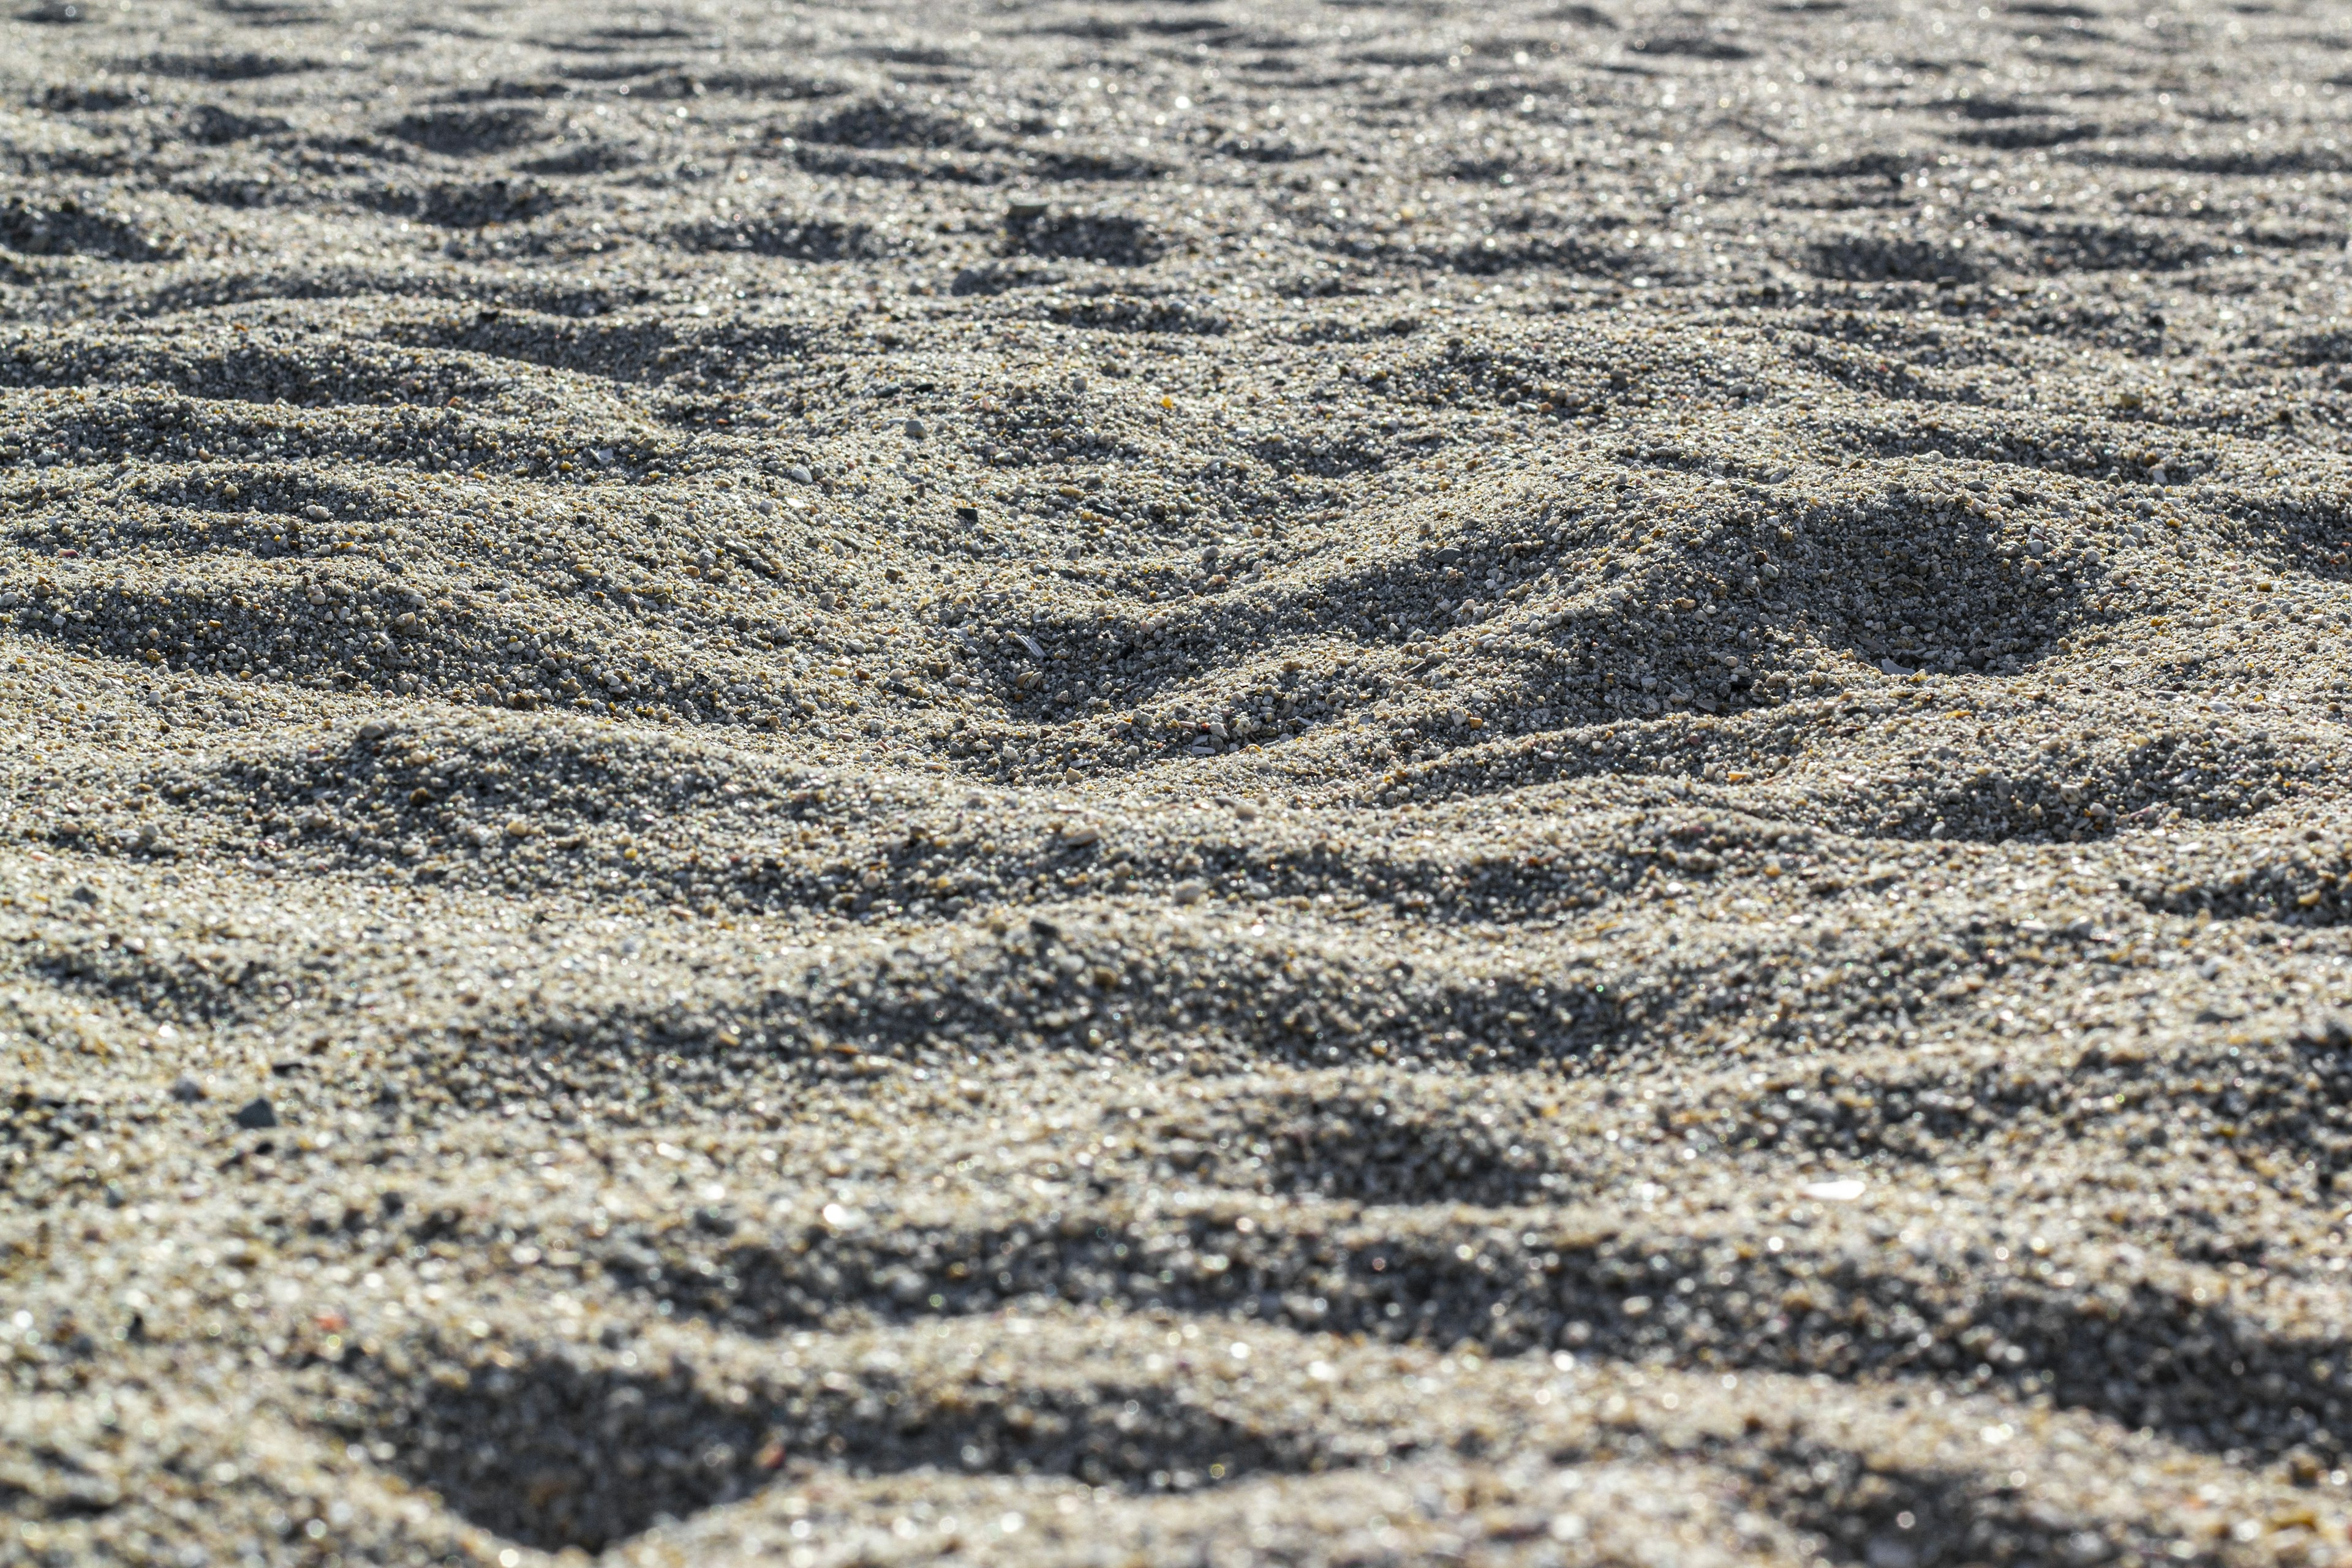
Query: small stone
x=1190 y=892
x=255 y=1114
x=915 y=431
x=798 y=475
x=187 y=1090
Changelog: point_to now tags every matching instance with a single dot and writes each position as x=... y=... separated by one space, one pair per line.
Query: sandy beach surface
x=1213 y=784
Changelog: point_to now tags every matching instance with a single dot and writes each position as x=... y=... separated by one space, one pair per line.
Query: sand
x=1188 y=784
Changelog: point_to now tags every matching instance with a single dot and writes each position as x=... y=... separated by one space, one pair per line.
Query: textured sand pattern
x=1174 y=784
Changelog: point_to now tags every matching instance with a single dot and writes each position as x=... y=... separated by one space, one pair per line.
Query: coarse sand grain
x=1194 y=784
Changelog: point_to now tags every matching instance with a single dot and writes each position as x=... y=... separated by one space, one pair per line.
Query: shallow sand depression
x=1174 y=784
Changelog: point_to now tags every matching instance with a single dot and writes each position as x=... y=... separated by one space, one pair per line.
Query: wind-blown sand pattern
x=1174 y=784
